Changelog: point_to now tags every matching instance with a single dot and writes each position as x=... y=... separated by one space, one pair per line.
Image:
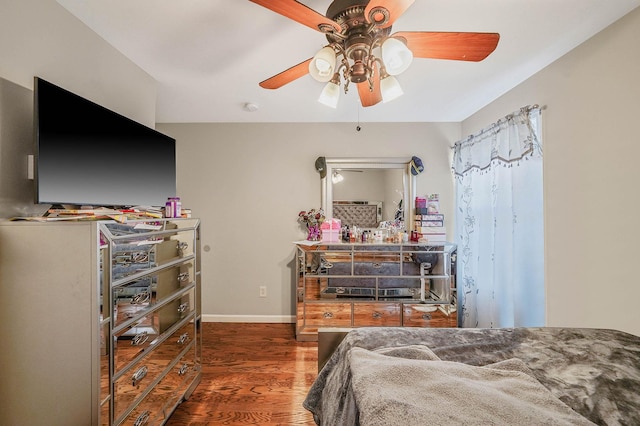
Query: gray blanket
x=414 y=392
x=594 y=372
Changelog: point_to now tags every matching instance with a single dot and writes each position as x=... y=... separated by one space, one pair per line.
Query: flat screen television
x=91 y=156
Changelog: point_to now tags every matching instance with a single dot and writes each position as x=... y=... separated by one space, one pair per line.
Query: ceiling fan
x=359 y=33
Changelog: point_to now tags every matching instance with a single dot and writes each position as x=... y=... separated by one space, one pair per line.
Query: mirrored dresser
x=100 y=320
x=346 y=285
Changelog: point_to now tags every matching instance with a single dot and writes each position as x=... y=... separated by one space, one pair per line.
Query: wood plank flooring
x=252 y=374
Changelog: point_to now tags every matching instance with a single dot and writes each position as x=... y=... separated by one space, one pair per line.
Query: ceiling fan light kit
x=390 y=88
x=363 y=51
x=330 y=94
x=396 y=56
x=322 y=66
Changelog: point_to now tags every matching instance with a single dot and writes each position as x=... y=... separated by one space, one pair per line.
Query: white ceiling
x=208 y=56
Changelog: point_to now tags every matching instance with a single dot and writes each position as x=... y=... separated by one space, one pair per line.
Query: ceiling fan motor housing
x=357 y=36
x=349 y=14
x=356 y=48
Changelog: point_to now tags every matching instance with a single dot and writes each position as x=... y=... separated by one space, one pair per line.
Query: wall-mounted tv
x=89 y=155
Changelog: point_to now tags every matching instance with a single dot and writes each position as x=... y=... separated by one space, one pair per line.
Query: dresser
x=99 y=320
x=346 y=285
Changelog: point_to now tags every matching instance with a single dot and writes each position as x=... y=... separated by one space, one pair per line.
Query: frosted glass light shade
x=396 y=56
x=330 y=95
x=390 y=89
x=323 y=64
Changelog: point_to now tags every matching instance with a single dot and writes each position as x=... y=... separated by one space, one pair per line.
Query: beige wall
x=40 y=38
x=247 y=182
x=591 y=156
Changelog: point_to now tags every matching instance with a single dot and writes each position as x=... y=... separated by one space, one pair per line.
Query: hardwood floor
x=252 y=374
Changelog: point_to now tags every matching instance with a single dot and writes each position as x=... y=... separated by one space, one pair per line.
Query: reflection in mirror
x=367 y=191
x=363 y=214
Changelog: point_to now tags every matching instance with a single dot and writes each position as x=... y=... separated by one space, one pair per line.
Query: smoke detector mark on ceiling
x=250 y=107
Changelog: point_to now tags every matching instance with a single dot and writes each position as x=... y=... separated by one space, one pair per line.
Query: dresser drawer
x=158 y=404
x=135 y=380
x=142 y=295
x=186 y=371
x=105 y=413
x=328 y=314
x=140 y=252
x=133 y=340
x=424 y=315
x=176 y=310
x=179 y=339
x=312 y=288
x=377 y=314
x=128 y=259
x=143 y=334
x=105 y=375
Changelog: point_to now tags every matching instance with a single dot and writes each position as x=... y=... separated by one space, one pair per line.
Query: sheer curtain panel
x=499 y=223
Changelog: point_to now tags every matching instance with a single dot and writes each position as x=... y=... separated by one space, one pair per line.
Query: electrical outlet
x=263 y=291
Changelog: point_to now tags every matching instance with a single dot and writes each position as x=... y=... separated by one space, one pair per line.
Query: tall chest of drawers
x=100 y=321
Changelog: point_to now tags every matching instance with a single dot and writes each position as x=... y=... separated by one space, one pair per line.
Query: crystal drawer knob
x=141 y=298
x=140 y=257
x=183 y=276
x=183 y=307
x=328 y=315
x=183 y=339
x=376 y=315
x=139 y=338
x=142 y=419
x=139 y=375
x=183 y=370
x=182 y=247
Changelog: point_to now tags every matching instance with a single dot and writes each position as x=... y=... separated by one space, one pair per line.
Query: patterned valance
x=520 y=143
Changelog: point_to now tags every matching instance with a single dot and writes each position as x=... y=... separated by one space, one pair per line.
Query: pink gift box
x=331 y=236
x=331 y=230
x=331 y=225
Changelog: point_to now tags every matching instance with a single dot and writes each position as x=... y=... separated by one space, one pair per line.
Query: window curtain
x=499 y=223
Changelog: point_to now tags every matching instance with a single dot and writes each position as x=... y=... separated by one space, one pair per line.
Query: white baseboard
x=249 y=318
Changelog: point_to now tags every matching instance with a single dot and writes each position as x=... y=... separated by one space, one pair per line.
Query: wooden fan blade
x=297 y=11
x=367 y=97
x=287 y=76
x=395 y=8
x=445 y=45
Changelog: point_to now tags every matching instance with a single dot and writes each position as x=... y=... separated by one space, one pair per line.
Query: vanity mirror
x=365 y=191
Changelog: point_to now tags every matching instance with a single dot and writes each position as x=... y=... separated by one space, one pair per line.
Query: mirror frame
x=408 y=181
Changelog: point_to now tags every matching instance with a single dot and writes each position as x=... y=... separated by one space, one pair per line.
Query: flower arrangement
x=312 y=219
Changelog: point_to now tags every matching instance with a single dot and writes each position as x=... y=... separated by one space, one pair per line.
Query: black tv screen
x=89 y=155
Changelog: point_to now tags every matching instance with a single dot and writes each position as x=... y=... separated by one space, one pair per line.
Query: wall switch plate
x=263 y=291
x=30 y=167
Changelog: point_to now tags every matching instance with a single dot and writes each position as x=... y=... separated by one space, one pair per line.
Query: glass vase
x=314 y=233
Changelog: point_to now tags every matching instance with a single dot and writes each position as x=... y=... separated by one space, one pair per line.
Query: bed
x=444 y=376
